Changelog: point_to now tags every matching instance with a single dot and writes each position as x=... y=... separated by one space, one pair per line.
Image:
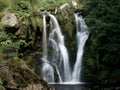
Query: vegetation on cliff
x=15 y=74
x=21 y=42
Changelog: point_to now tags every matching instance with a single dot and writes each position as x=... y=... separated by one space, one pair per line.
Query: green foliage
x=1 y=81
x=38 y=21
x=2 y=6
x=47 y=4
x=103 y=21
x=9 y=47
x=116 y=73
x=61 y=2
x=104 y=74
x=23 y=6
x=3 y=36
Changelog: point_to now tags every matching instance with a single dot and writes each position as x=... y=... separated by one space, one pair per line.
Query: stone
x=9 y=20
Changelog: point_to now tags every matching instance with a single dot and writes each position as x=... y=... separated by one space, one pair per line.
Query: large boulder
x=10 y=20
x=10 y=23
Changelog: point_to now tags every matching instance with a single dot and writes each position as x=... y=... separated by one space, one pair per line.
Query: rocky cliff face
x=15 y=75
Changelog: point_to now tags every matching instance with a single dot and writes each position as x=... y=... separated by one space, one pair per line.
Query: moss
x=16 y=74
x=69 y=27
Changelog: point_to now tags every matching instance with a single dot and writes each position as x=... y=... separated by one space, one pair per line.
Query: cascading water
x=55 y=56
x=44 y=37
x=47 y=69
x=59 y=60
x=59 y=47
x=81 y=36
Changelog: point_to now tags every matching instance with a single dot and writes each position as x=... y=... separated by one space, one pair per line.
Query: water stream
x=47 y=69
x=58 y=62
x=81 y=37
x=58 y=42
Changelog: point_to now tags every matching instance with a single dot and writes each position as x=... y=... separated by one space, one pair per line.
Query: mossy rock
x=15 y=74
x=66 y=19
x=69 y=27
x=9 y=23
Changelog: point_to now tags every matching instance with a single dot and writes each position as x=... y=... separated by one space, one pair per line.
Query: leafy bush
x=103 y=21
x=9 y=47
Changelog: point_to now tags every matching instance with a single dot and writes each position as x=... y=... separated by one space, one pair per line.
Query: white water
x=81 y=36
x=47 y=72
x=55 y=54
x=59 y=60
x=47 y=69
x=44 y=38
x=59 y=76
x=61 y=46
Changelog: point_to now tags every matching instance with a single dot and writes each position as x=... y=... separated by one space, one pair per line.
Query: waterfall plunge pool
x=84 y=86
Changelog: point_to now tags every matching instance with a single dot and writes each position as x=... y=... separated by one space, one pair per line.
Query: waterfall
x=58 y=40
x=58 y=60
x=47 y=72
x=81 y=36
x=47 y=69
x=44 y=38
